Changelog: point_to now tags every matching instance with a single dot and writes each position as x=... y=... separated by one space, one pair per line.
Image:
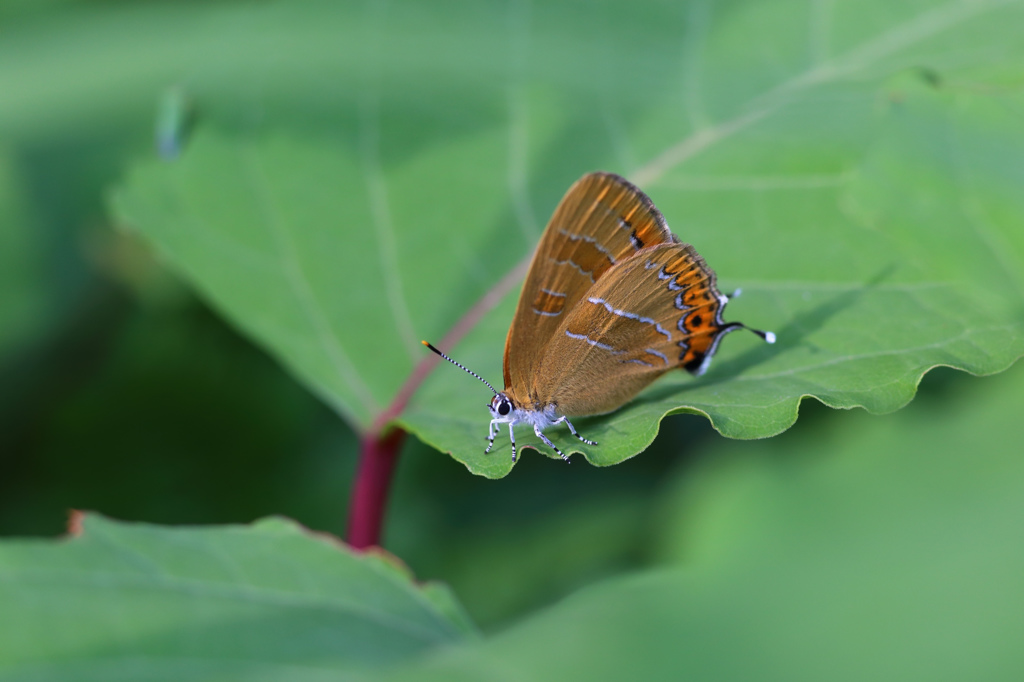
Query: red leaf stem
x=379 y=449
x=377 y=457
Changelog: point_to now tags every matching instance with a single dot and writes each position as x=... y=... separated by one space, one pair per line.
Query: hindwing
x=655 y=311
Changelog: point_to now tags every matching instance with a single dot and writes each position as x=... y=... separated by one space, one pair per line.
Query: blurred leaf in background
x=268 y=601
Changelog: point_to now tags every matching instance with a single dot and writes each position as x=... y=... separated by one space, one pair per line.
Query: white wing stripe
x=585 y=273
x=590 y=240
x=595 y=344
x=658 y=353
x=632 y=316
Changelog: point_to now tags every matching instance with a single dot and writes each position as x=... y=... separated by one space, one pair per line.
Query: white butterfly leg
x=492 y=431
x=512 y=437
x=540 y=434
x=572 y=430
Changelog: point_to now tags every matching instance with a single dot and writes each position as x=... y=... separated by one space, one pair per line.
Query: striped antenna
x=463 y=367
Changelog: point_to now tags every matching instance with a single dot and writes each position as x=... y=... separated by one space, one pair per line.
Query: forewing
x=655 y=311
x=601 y=221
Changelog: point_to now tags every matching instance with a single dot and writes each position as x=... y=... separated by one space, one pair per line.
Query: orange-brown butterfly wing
x=601 y=221
x=655 y=311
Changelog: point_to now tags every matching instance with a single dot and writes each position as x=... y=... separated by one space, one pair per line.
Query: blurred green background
x=122 y=392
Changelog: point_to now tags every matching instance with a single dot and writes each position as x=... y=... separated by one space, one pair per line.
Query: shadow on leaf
x=790 y=336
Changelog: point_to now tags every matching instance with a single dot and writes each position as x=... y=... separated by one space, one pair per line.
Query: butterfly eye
x=504 y=408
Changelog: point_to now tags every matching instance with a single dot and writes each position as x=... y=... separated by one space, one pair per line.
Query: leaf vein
x=387 y=248
x=300 y=286
x=922 y=26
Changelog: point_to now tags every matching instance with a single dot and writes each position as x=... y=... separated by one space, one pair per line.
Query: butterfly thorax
x=506 y=409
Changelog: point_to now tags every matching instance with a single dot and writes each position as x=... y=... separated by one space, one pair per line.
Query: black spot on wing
x=637 y=242
x=695 y=362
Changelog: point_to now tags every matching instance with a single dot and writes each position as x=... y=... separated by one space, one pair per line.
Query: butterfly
x=612 y=301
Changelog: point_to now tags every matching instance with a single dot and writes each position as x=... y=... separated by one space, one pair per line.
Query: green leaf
x=854 y=547
x=267 y=601
x=854 y=168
